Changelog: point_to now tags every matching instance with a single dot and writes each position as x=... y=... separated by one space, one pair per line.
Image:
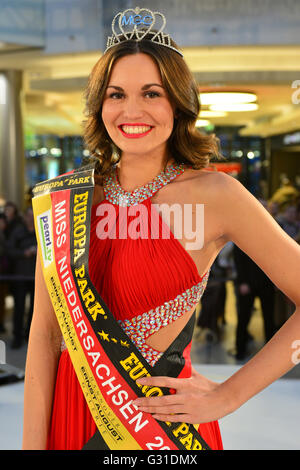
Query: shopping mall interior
x=245 y=58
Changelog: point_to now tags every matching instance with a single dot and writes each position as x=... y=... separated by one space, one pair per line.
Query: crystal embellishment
x=142 y=326
x=115 y=194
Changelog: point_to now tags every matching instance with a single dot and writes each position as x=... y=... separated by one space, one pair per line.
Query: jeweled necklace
x=117 y=195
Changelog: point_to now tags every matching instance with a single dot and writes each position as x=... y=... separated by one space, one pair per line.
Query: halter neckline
x=117 y=195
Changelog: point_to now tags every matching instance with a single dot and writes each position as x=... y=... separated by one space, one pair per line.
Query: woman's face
x=136 y=111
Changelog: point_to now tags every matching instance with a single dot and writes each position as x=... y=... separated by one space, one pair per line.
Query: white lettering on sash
x=109 y=384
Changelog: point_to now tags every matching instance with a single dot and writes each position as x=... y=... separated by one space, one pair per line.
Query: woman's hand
x=197 y=400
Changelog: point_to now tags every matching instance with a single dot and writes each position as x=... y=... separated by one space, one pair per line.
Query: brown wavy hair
x=186 y=143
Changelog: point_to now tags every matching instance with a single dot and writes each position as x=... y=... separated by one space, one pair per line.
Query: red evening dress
x=150 y=281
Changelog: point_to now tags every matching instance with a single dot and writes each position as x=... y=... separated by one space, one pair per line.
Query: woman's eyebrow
x=145 y=87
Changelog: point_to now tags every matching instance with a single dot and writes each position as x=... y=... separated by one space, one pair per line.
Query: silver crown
x=139 y=23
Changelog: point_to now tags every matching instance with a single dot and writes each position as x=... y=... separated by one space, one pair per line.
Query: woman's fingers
x=196 y=382
x=168 y=382
x=163 y=410
x=161 y=401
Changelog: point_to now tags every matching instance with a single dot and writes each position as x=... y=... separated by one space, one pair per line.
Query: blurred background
x=245 y=56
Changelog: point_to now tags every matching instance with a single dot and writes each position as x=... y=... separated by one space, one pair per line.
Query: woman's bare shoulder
x=207 y=182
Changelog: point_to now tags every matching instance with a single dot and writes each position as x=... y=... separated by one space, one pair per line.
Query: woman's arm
x=248 y=224
x=41 y=367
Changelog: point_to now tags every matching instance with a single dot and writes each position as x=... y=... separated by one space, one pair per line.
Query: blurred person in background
x=13 y=221
x=4 y=269
x=212 y=311
x=288 y=220
x=251 y=282
x=22 y=248
x=13 y=217
x=212 y=303
x=286 y=194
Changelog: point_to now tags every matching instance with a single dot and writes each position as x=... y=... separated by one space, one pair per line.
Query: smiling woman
x=122 y=378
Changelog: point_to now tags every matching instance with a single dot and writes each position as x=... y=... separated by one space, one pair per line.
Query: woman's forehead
x=136 y=68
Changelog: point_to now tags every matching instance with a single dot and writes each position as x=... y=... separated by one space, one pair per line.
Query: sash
x=107 y=363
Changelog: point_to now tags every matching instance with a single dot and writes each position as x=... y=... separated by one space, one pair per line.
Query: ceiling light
x=202 y=123
x=56 y=152
x=228 y=97
x=234 y=107
x=208 y=114
x=42 y=151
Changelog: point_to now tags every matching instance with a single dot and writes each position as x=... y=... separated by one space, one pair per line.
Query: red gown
x=149 y=281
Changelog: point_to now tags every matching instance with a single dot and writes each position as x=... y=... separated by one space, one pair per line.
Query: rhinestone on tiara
x=136 y=24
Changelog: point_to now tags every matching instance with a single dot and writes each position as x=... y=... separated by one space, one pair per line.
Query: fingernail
x=140 y=381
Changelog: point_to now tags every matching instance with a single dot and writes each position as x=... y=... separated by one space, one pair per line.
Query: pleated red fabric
x=132 y=275
x=72 y=424
x=155 y=269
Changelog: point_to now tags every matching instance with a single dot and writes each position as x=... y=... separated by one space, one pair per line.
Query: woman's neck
x=135 y=172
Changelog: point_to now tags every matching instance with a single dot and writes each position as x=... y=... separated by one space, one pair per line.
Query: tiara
x=135 y=24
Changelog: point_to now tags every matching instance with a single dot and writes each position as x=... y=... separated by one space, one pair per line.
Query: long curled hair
x=186 y=143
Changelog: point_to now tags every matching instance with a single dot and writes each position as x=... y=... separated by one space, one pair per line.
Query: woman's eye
x=152 y=94
x=115 y=95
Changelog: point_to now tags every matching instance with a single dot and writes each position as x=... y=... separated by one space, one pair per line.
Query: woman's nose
x=133 y=108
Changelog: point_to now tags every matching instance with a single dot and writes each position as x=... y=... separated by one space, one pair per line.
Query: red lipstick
x=135 y=136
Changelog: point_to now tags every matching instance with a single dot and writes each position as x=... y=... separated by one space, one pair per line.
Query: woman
x=142 y=107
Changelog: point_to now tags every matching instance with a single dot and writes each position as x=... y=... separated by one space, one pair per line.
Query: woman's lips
x=136 y=134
